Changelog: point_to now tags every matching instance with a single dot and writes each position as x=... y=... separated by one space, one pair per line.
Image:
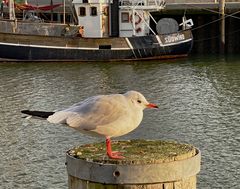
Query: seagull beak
x=150 y=105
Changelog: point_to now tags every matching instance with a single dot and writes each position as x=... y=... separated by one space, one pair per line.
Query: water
x=199 y=100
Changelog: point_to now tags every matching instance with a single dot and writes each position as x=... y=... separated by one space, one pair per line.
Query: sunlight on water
x=199 y=100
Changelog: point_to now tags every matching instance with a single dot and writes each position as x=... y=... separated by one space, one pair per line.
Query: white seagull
x=103 y=115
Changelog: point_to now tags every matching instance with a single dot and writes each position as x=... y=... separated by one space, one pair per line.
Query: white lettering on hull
x=174 y=38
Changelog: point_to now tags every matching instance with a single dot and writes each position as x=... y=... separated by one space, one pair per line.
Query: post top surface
x=135 y=152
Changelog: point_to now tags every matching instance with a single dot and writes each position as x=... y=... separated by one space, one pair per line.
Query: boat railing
x=148 y=5
x=139 y=8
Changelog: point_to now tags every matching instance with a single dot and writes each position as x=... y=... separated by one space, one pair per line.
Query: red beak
x=150 y=105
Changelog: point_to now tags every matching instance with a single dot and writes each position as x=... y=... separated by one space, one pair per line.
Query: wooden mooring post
x=147 y=164
x=222 y=26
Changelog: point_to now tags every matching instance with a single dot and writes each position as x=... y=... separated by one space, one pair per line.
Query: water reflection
x=198 y=99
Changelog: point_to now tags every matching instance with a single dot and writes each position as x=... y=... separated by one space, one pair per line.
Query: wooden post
x=222 y=26
x=148 y=164
x=51 y=3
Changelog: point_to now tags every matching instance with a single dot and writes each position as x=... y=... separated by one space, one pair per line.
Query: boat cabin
x=93 y=17
x=124 y=18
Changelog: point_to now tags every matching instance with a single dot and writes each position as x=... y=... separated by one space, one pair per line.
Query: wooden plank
x=76 y=183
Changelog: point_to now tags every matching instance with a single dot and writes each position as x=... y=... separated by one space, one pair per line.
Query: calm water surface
x=199 y=100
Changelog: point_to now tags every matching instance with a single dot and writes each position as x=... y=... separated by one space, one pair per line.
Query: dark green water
x=199 y=100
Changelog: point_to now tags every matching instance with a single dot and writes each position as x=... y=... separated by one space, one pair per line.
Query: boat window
x=82 y=11
x=125 y=17
x=85 y=1
x=93 y=11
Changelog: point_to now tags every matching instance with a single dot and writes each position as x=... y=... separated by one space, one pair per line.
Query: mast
x=12 y=16
x=64 y=11
x=11 y=10
x=74 y=14
x=51 y=3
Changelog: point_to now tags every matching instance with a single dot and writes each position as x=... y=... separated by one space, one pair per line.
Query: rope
x=217 y=36
x=217 y=12
x=206 y=24
x=227 y=15
x=205 y=39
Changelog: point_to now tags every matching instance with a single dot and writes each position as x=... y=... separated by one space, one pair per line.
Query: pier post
x=147 y=164
x=222 y=26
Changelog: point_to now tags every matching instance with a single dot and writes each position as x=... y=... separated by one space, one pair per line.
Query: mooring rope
x=217 y=12
x=217 y=36
x=219 y=19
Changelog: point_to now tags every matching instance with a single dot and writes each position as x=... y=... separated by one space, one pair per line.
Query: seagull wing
x=93 y=112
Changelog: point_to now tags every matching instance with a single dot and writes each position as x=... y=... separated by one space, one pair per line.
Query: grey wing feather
x=91 y=113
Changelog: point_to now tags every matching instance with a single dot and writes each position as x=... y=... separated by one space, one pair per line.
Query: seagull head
x=139 y=100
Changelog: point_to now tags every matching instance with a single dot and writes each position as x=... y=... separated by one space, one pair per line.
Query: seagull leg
x=110 y=153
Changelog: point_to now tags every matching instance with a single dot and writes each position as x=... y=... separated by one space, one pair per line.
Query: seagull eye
x=139 y=101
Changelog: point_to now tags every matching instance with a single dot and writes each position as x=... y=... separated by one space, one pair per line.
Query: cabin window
x=93 y=11
x=82 y=11
x=125 y=17
x=85 y=1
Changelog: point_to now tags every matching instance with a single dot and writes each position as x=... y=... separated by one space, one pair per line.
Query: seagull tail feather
x=40 y=114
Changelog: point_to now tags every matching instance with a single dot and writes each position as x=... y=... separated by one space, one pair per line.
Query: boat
x=106 y=30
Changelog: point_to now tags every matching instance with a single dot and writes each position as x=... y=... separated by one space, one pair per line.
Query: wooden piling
x=147 y=164
x=222 y=26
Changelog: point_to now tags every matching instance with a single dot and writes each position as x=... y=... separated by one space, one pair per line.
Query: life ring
x=137 y=21
x=138 y=30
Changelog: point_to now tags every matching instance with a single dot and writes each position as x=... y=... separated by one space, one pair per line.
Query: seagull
x=102 y=116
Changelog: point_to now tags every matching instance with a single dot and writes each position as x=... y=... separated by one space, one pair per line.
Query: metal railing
x=199 y=1
x=142 y=4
